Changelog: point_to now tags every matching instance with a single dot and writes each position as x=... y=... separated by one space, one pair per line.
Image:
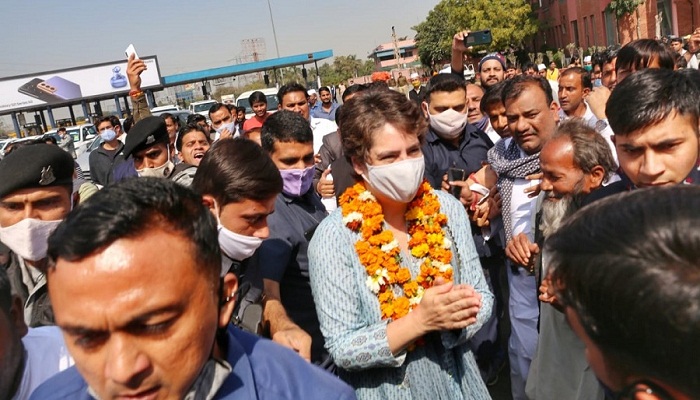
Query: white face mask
x=158 y=172
x=230 y=126
x=449 y=124
x=234 y=245
x=398 y=181
x=29 y=238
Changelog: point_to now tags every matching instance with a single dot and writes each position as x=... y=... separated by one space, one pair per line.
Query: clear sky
x=43 y=35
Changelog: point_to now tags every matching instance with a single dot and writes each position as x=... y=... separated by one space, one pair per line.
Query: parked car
x=3 y=144
x=270 y=95
x=83 y=159
x=202 y=107
x=181 y=115
x=168 y=108
x=82 y=136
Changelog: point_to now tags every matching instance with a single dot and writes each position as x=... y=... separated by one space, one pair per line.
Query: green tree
x=434 y=35
x=510 y=22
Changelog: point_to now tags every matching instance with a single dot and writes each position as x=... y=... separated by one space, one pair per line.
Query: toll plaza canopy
x=247 y=68
x=64 y=88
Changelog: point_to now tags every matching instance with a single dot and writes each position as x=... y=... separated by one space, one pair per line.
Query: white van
x=202 y=107
x=270 y=94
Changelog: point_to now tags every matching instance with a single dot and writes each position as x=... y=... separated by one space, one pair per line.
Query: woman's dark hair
x=234 y=170
x=368 y=112
x=131 y=208
x=257 y=97
x=638 y=54
x=188 y=129
x=629 y=267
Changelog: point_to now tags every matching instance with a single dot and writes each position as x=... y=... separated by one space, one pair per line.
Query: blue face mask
x=588 y=68
x=597 y=83
x=108 y=135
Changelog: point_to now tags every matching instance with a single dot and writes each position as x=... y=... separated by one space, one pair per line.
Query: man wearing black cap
x=36 y=183
x=148 y=152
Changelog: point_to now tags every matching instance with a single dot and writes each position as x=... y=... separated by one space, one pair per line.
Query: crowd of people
x=407 y=244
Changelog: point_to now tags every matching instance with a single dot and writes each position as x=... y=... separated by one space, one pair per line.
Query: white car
x=82 y=136
x=202 y=107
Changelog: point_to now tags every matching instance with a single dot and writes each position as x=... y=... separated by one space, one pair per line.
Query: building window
x=610 y=28
x=585 y=31
x=574 y=29
x=595 y=33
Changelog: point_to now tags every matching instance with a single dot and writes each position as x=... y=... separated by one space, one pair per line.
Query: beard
x=556 y=212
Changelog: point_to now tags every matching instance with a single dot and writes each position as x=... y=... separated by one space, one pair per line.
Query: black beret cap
x=35 y=166
x=144 y=134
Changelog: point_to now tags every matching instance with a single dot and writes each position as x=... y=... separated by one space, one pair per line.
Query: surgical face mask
x=29 y=238
x=416 y=84
x=597 y=83
x=296 y=182
x=234 y=245
x=231 y=126
x=588 y=68
x=449 y=124
x=158 y=172
x=108 y=135
x=398 y=181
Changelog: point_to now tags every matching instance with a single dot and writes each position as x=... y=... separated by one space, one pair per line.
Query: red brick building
x=587 y=23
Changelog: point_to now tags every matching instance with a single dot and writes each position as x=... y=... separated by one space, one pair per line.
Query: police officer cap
x=144 y=134
x=35 y=166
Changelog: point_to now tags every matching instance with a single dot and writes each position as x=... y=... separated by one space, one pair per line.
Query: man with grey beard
x=574 y=162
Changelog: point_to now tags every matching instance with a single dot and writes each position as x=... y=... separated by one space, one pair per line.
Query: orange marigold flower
x=403 y=275
x=385 y=296
x=400 y=306
x=387 y=310
x=410 y=289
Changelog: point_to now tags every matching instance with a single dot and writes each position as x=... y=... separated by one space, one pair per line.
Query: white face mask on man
x=234 y=245
x=158 y=172
x=29 y=238
x=399 y=181
x=448 y=124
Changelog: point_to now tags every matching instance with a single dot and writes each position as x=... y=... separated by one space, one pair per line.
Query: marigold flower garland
x=380 y=254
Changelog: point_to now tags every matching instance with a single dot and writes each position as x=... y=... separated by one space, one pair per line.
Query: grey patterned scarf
x=509 y=166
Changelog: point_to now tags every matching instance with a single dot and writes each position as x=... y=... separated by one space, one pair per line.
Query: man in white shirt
x=28 y=357
x=294 y=97
x=574 y=86
x=532 y=118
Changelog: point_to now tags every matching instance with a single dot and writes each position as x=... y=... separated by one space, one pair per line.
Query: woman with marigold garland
x=395 y=275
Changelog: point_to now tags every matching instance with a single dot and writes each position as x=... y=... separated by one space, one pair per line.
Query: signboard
x=72 y=85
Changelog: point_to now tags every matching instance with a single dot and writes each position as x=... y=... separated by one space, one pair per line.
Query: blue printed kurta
x=350 y=317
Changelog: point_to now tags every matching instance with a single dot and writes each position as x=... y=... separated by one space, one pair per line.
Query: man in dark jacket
x=36 y=185
x=110 y=153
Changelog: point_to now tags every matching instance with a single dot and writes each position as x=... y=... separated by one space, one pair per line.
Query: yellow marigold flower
x=420 y=251
x=435 y=239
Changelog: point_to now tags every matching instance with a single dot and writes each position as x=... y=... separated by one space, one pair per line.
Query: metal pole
x=274 y=33
x=49 y=112
x=72 y=114
x=15 y=123
x=118 y=104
